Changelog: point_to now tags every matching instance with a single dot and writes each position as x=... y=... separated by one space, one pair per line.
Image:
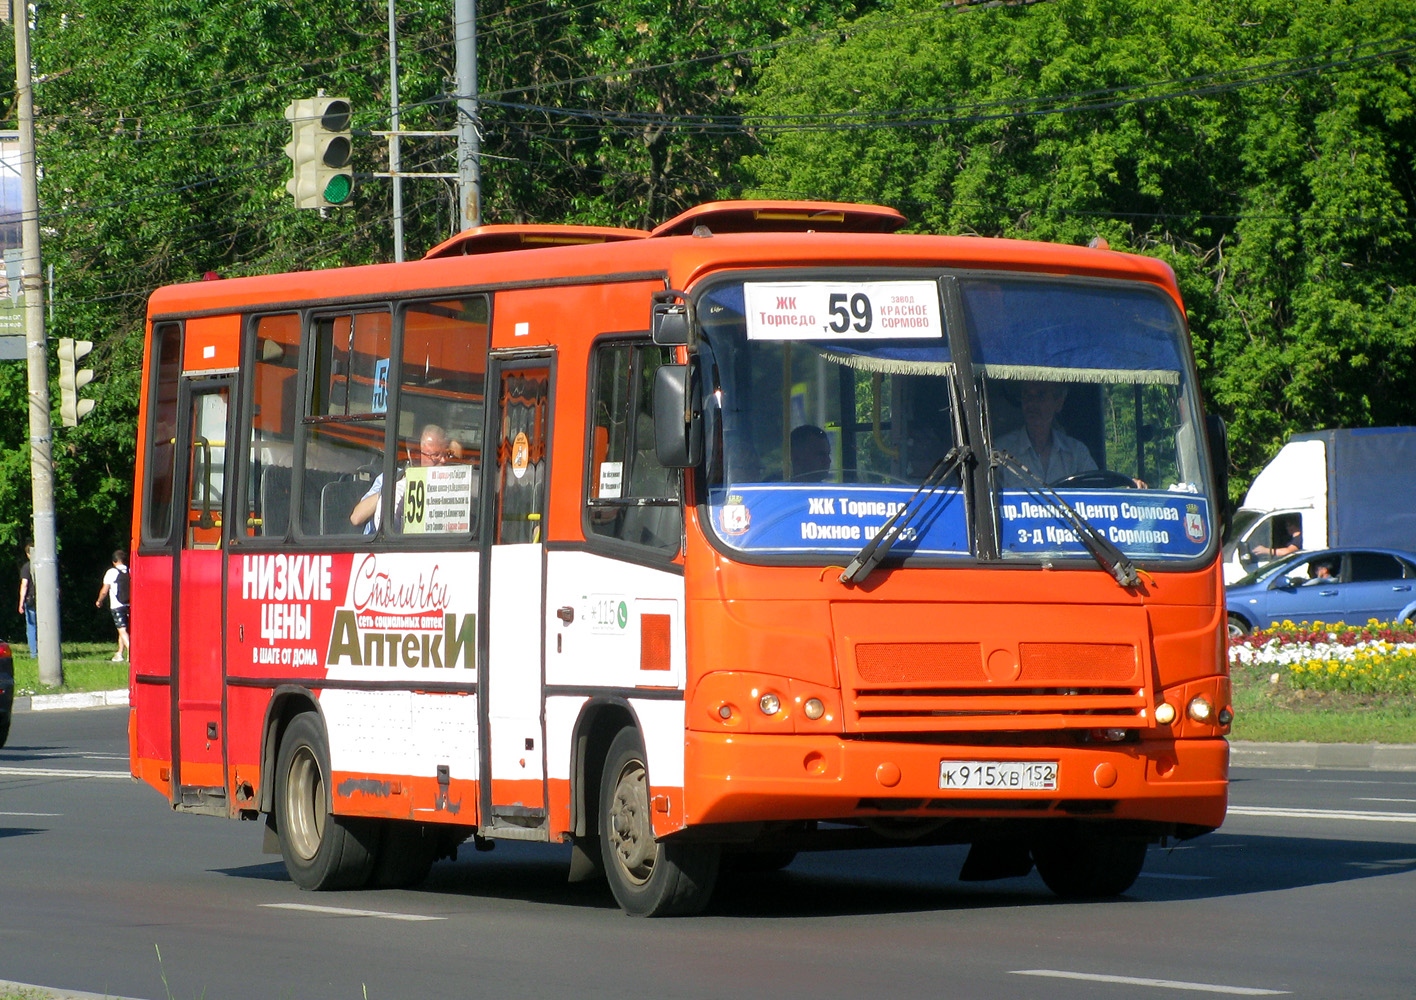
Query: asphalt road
x=1309 y=890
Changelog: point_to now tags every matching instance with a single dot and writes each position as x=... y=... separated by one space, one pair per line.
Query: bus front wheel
x=321 y=850
x=1089 y=864
x=649 y=878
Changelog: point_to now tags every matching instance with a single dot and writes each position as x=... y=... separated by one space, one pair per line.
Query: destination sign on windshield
x=842 y=310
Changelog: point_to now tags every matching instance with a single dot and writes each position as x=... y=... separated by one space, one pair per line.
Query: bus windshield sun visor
x=1107 y=555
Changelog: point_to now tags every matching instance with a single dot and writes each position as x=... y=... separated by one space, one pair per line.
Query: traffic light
x=320 y=149
x=72 y=379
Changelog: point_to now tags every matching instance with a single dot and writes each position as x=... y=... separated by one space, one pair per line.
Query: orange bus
x=770 y=530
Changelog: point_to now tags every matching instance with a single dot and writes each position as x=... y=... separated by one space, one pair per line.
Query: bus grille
x=952 y=686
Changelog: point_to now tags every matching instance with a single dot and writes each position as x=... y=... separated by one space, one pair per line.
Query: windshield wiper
x=1108 y=556
x=879 y=545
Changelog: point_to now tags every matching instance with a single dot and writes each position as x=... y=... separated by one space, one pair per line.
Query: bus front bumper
x=755 y=777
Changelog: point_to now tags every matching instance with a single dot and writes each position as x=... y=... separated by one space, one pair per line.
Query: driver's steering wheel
x=1101 y=479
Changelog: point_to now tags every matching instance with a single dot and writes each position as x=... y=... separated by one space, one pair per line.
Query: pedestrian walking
x=27 y=606
x=116 y=589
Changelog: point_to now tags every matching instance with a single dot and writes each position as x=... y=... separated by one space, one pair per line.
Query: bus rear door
x=198 y=564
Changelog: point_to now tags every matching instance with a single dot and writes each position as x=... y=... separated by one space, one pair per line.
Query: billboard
x=12 y=313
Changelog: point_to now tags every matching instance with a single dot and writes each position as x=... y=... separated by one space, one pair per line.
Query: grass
x=1274 y=711
x=88 y=666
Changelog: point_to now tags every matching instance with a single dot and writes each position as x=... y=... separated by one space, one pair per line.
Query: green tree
x=1264 y=148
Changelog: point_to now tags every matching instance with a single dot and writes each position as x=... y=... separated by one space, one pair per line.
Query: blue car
x=1330 y=585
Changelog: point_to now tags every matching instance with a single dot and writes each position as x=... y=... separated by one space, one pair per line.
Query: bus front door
x=198 y=743
x=513 y=597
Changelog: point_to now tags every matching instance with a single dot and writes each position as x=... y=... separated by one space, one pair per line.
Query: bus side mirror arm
x=678 y=425
x=1218 y=436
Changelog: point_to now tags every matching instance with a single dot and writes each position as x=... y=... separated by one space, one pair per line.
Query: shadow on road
x=908 y=879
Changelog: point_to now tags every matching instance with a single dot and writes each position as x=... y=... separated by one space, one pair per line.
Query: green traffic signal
x=320 y=149
x=338 y=188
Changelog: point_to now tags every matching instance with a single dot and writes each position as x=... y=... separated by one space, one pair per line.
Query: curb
x=74 y=699
x=1351 y=756
x=48 y=993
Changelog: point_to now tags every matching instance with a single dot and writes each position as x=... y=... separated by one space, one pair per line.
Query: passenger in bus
x=811 y=454
x=434 y=448
x=1040 y=445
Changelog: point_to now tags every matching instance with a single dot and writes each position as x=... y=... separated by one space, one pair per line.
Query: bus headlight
x=769 y=703
x=1165 y=713
x=1200 y=709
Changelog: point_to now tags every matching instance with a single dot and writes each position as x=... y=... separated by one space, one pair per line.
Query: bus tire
x=321 y=850
x=406 y=853
x=649 y=878
x=1089 y=864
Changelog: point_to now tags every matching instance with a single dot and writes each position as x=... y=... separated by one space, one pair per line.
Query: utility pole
x=394 y=159
x=44 y=564
x=464 y=16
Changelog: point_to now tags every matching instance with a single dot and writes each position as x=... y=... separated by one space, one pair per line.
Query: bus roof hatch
x=499 y=239
x=784 y=217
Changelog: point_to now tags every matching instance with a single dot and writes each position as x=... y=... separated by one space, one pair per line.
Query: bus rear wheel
x=321 y=850
x=1089 y=864
x=649 y=878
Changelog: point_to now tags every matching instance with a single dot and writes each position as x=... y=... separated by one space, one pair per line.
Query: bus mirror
x=1218 y=436
x=678 y=426
x=669 y=319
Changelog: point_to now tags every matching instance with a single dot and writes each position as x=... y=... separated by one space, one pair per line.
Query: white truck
x=1339 y=487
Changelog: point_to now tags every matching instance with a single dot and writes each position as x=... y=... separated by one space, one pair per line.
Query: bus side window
x=272 y=431
x=343 y=430
x=162 y=454
x=629 y=495
x=440 y=390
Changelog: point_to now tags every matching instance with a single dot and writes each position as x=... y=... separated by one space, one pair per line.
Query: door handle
x=1402 y=587
x=566 y=614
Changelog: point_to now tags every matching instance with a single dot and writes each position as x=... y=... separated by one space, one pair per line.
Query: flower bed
x=1375 y=658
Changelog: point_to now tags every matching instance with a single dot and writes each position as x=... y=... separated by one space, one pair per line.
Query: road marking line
x=1177 y=877
x=42 y=815
x=54 y=772
x=1360 y=799
x=1167 y=984
x=1349 y=814
x=344 y=911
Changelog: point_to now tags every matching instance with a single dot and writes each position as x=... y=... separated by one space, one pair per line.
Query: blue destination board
x=1139 y=522
x=834 y=517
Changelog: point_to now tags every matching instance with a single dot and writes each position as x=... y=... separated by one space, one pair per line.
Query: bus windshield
x=828 y=403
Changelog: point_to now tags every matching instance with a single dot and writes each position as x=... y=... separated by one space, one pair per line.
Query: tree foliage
x=1264 y=148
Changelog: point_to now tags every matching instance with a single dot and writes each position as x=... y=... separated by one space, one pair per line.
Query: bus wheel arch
x=285 y=704
x=649 y=877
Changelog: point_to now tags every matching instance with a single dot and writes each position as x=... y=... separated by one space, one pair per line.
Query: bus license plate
x=1012 y=775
